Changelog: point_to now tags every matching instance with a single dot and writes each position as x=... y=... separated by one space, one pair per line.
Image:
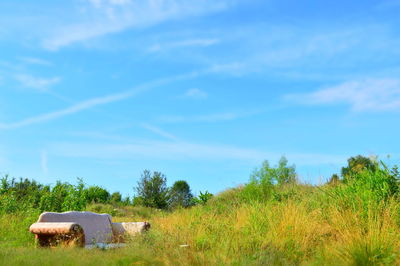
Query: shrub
x=203 y=198
x=366 y=191
x=116 y=197
x=27 y=191
x=264 y=180
x=75 y=199
x=358 y=164
x=97 y=194
x=334 y=180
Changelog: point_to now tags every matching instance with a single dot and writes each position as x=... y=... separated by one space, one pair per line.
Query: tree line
x=361 y=173
x=151 y=191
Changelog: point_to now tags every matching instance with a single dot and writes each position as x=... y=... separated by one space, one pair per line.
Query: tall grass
x=349 y=223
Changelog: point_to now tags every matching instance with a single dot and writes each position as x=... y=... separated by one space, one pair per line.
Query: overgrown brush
x=352 y=221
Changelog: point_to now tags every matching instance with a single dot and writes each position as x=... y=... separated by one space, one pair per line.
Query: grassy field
x=296 y=224
x=272 y=220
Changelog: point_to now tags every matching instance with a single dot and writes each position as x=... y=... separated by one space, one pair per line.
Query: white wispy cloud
x=213 y=117
x=195 y=94
x=234 y=68
x=98 y=101
x=40 y=84
x=159 y=132
x=35 y=61
x=114 y=16
x=302 y=52
x=102 y=3
x=85 y=105
x=182 y=150
x=361 y=95
x=185 y=43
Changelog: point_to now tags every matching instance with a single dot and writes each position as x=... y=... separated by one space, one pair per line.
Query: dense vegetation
x=152 y=191
x=354 y=219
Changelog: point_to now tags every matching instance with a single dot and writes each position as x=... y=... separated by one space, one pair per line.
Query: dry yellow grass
x=304 y=228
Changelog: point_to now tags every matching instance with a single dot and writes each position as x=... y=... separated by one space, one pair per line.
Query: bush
x=203 y=198
x=75 y=199
x=263 y=181
x=379 y=183
x=23 y=192
x=358 y=164
x=96 y=194
x=64 y=197
x=116 y=197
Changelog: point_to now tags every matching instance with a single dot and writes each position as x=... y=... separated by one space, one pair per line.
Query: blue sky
x=199 y=90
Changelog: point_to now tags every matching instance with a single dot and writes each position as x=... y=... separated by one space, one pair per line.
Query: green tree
x=284 y=173
x=267 y=176
x=126 y=201
x=97 y=194
x=52 y=200
x=116 y=197
x=180 y=195
x=152 y=188
x=24 y=190
x=63 y=197
x=75 y=199
x=358 y=164
x=137 y=201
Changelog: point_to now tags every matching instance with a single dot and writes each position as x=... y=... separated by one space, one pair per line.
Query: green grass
x=342 y=224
